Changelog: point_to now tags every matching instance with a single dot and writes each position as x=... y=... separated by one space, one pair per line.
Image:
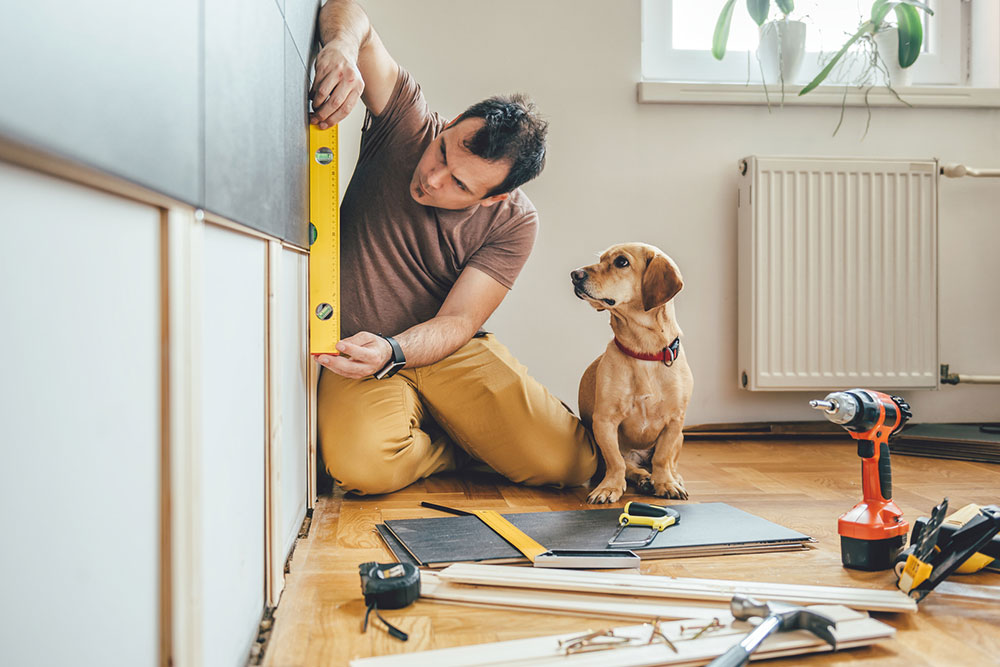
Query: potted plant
x=876 y=35
x=782 y=41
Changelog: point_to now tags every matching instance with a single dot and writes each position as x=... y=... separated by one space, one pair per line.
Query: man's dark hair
x=512 y=131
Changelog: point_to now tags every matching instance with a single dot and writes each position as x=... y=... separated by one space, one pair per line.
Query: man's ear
x=661 y=281
x=495 y=199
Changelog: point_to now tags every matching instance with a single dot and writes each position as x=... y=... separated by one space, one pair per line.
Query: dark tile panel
x=300 y=16
x=296 y=215
x=114 y=85
x=244 y=113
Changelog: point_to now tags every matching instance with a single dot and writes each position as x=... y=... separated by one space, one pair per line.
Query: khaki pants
x=478 y=403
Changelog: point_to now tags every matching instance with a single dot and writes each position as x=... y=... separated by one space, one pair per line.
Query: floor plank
x=802 y=484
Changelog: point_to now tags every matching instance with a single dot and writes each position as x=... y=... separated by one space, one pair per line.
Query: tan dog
x=634 y=396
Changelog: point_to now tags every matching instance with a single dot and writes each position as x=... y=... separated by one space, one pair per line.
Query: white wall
x=666 y=174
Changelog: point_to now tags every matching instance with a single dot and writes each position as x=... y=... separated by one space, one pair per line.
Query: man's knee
x=364 y=477
x=353 y=457
x=566 y=465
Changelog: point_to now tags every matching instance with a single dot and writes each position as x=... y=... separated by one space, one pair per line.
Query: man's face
x=449 y=176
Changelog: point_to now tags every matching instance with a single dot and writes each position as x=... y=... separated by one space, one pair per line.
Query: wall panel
x=233 y=439
x=244 y=113
x=114 y=84
x=79 y=424
x=295 y=216
x=292 y=376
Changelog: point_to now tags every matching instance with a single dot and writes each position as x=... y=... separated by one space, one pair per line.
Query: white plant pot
x=782 y=44
x=887 y=42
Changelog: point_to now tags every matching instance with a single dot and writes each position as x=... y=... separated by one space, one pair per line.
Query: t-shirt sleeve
x=403 y=119
x=503 y=255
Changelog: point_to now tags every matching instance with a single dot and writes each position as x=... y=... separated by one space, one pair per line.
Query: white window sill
x=679 y=92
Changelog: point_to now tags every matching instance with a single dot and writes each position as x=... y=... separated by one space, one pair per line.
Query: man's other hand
x=336 y=88
x=360 y=355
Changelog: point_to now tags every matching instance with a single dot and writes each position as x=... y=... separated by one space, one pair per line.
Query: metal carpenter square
x=324 y=241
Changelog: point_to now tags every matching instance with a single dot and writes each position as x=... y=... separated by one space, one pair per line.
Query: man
x=434 y=230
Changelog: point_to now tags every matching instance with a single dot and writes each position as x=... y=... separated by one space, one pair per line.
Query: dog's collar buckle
x=667 y=355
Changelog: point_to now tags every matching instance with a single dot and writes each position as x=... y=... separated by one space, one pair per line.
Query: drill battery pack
x=871 y=555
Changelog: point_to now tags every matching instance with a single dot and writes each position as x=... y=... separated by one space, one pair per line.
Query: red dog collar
x=666 y=355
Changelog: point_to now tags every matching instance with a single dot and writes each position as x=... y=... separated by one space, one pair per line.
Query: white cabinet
x=154 y=426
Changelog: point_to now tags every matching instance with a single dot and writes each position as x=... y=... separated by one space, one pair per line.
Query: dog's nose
x=578 y=276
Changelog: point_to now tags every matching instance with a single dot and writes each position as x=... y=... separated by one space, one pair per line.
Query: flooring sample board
x=638 y=646
x=704 y=529
x=394 y=546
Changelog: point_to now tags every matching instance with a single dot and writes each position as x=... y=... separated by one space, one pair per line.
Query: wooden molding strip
x=274 y=558
x=674 y=587
x=432 y=587
x=184 y=257
x=853 y=629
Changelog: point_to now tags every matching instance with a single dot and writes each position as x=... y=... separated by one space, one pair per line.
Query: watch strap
x=396 y=362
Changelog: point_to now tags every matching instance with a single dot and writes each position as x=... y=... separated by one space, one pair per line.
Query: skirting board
x=573 y=604
x=853 y=629
x=674 y=587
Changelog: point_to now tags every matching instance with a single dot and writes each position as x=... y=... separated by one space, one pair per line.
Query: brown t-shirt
x=399 y=259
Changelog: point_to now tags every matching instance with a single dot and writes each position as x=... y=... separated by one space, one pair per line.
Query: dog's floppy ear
x=660 y=282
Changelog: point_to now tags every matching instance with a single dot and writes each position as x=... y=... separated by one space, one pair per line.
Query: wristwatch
x=396 y=361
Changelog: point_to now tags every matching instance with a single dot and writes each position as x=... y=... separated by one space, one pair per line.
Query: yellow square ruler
x=541 y=556
x=324 y=241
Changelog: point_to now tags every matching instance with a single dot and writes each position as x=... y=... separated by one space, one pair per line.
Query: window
x=677 y=41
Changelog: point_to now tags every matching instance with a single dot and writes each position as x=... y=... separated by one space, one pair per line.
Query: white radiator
x=837 y=273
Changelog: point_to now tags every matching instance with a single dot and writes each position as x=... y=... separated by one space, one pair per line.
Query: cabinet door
x=79 y=424
x=233 y=392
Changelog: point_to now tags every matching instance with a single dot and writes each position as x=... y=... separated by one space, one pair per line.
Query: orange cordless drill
x=873 y=531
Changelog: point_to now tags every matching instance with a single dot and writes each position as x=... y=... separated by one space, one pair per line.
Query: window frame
x=941 y=64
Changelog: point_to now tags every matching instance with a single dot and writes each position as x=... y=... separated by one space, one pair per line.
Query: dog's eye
x=621 y=261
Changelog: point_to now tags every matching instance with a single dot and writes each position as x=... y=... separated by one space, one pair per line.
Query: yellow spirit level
x=324 y=241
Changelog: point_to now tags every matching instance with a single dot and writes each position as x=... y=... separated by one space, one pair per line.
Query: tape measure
x=388 y=586
x=324 y=241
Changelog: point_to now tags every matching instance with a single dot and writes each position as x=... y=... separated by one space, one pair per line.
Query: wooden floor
x=804 y=485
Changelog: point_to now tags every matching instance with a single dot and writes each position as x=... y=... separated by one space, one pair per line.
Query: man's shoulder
x=406 y=118
x=517 y=206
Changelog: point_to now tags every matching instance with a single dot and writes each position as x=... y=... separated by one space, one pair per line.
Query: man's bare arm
x=470 y=302
x=352 y=64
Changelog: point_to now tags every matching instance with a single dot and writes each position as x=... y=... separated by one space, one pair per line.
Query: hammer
x=778 y=617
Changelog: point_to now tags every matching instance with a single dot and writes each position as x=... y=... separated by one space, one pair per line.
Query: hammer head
x=789 y=617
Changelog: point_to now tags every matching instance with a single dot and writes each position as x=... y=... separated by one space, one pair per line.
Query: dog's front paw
x=670 y=489
x=645 y=485
x=608 y=491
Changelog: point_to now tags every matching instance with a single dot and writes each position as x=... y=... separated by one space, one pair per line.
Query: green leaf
x=786 y=6
x=722 y=30
x=880 y=9
x=865 y=27
x=758 y=10
x=911 y=33
x=922 y=5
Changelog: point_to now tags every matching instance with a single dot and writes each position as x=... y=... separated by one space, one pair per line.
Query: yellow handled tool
x=656 y=517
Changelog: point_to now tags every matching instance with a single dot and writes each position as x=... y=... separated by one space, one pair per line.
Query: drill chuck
x=839 y=407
